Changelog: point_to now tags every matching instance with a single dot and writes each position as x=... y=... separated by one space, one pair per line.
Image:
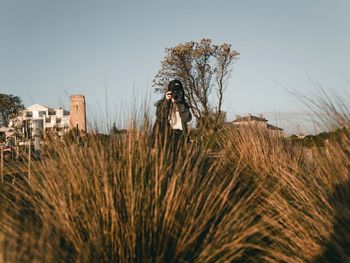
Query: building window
x=29 y=114
x=58 y=120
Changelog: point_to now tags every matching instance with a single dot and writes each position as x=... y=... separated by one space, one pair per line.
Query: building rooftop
x=249 y=118
x=37 y=107
x=271 y=127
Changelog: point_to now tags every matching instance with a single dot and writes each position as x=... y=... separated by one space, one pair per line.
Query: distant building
x=275 y=130
x=38 y=120
x=259 y=122
x=77 y=112
x=250 y=120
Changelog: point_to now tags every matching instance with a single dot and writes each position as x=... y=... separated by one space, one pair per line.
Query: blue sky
x=111 y=50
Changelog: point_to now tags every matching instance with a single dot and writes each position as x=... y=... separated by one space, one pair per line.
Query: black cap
x=175 y=85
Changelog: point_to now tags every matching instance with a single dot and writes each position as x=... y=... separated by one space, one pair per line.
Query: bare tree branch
x=203 y=68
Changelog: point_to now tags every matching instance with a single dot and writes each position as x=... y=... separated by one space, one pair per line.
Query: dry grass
x=116 y=200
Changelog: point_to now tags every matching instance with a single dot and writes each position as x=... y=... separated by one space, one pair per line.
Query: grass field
x=15 y=168
x=117 y=200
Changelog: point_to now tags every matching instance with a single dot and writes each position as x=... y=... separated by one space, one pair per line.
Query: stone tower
x=77 y=113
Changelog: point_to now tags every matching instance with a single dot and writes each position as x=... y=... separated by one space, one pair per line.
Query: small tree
x=10 y=108
x=114 y=129
x=204 y=69
x=213 y=120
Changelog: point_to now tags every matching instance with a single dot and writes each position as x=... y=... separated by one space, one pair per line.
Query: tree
x=204 y=69
x=10 y=107
x=114 y=129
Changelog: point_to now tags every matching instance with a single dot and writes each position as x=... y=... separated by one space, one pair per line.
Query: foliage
x=113 y=199
x=2 y=137
x=117 y=202
x=10 y=107
x=204 y=68
x=114 y=129
x=319 y=140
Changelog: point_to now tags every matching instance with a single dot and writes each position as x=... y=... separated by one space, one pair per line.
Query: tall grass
x=118 y=200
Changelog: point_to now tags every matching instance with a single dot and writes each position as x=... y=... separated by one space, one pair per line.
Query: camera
x=176 y=95
x=176 y=89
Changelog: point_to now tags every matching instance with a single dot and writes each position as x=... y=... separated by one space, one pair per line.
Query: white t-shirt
x=174 y=118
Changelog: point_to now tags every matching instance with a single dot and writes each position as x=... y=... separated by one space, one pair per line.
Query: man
x=172 y=115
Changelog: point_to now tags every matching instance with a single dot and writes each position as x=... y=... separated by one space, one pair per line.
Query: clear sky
x=111 y=50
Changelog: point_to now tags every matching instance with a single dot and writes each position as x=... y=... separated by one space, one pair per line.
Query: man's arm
x=184 y=111
x=162 y=110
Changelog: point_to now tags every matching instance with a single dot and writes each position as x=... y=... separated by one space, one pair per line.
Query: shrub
x=116 y=200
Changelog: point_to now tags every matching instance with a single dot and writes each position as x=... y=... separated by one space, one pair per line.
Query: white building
x=250 y=120
x=259 y=122
x=38 y=120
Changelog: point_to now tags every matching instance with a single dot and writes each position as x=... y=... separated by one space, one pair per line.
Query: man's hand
x=168 y=95
x=178 y=100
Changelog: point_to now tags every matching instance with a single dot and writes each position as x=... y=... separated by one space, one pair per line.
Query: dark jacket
x=162 y=126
